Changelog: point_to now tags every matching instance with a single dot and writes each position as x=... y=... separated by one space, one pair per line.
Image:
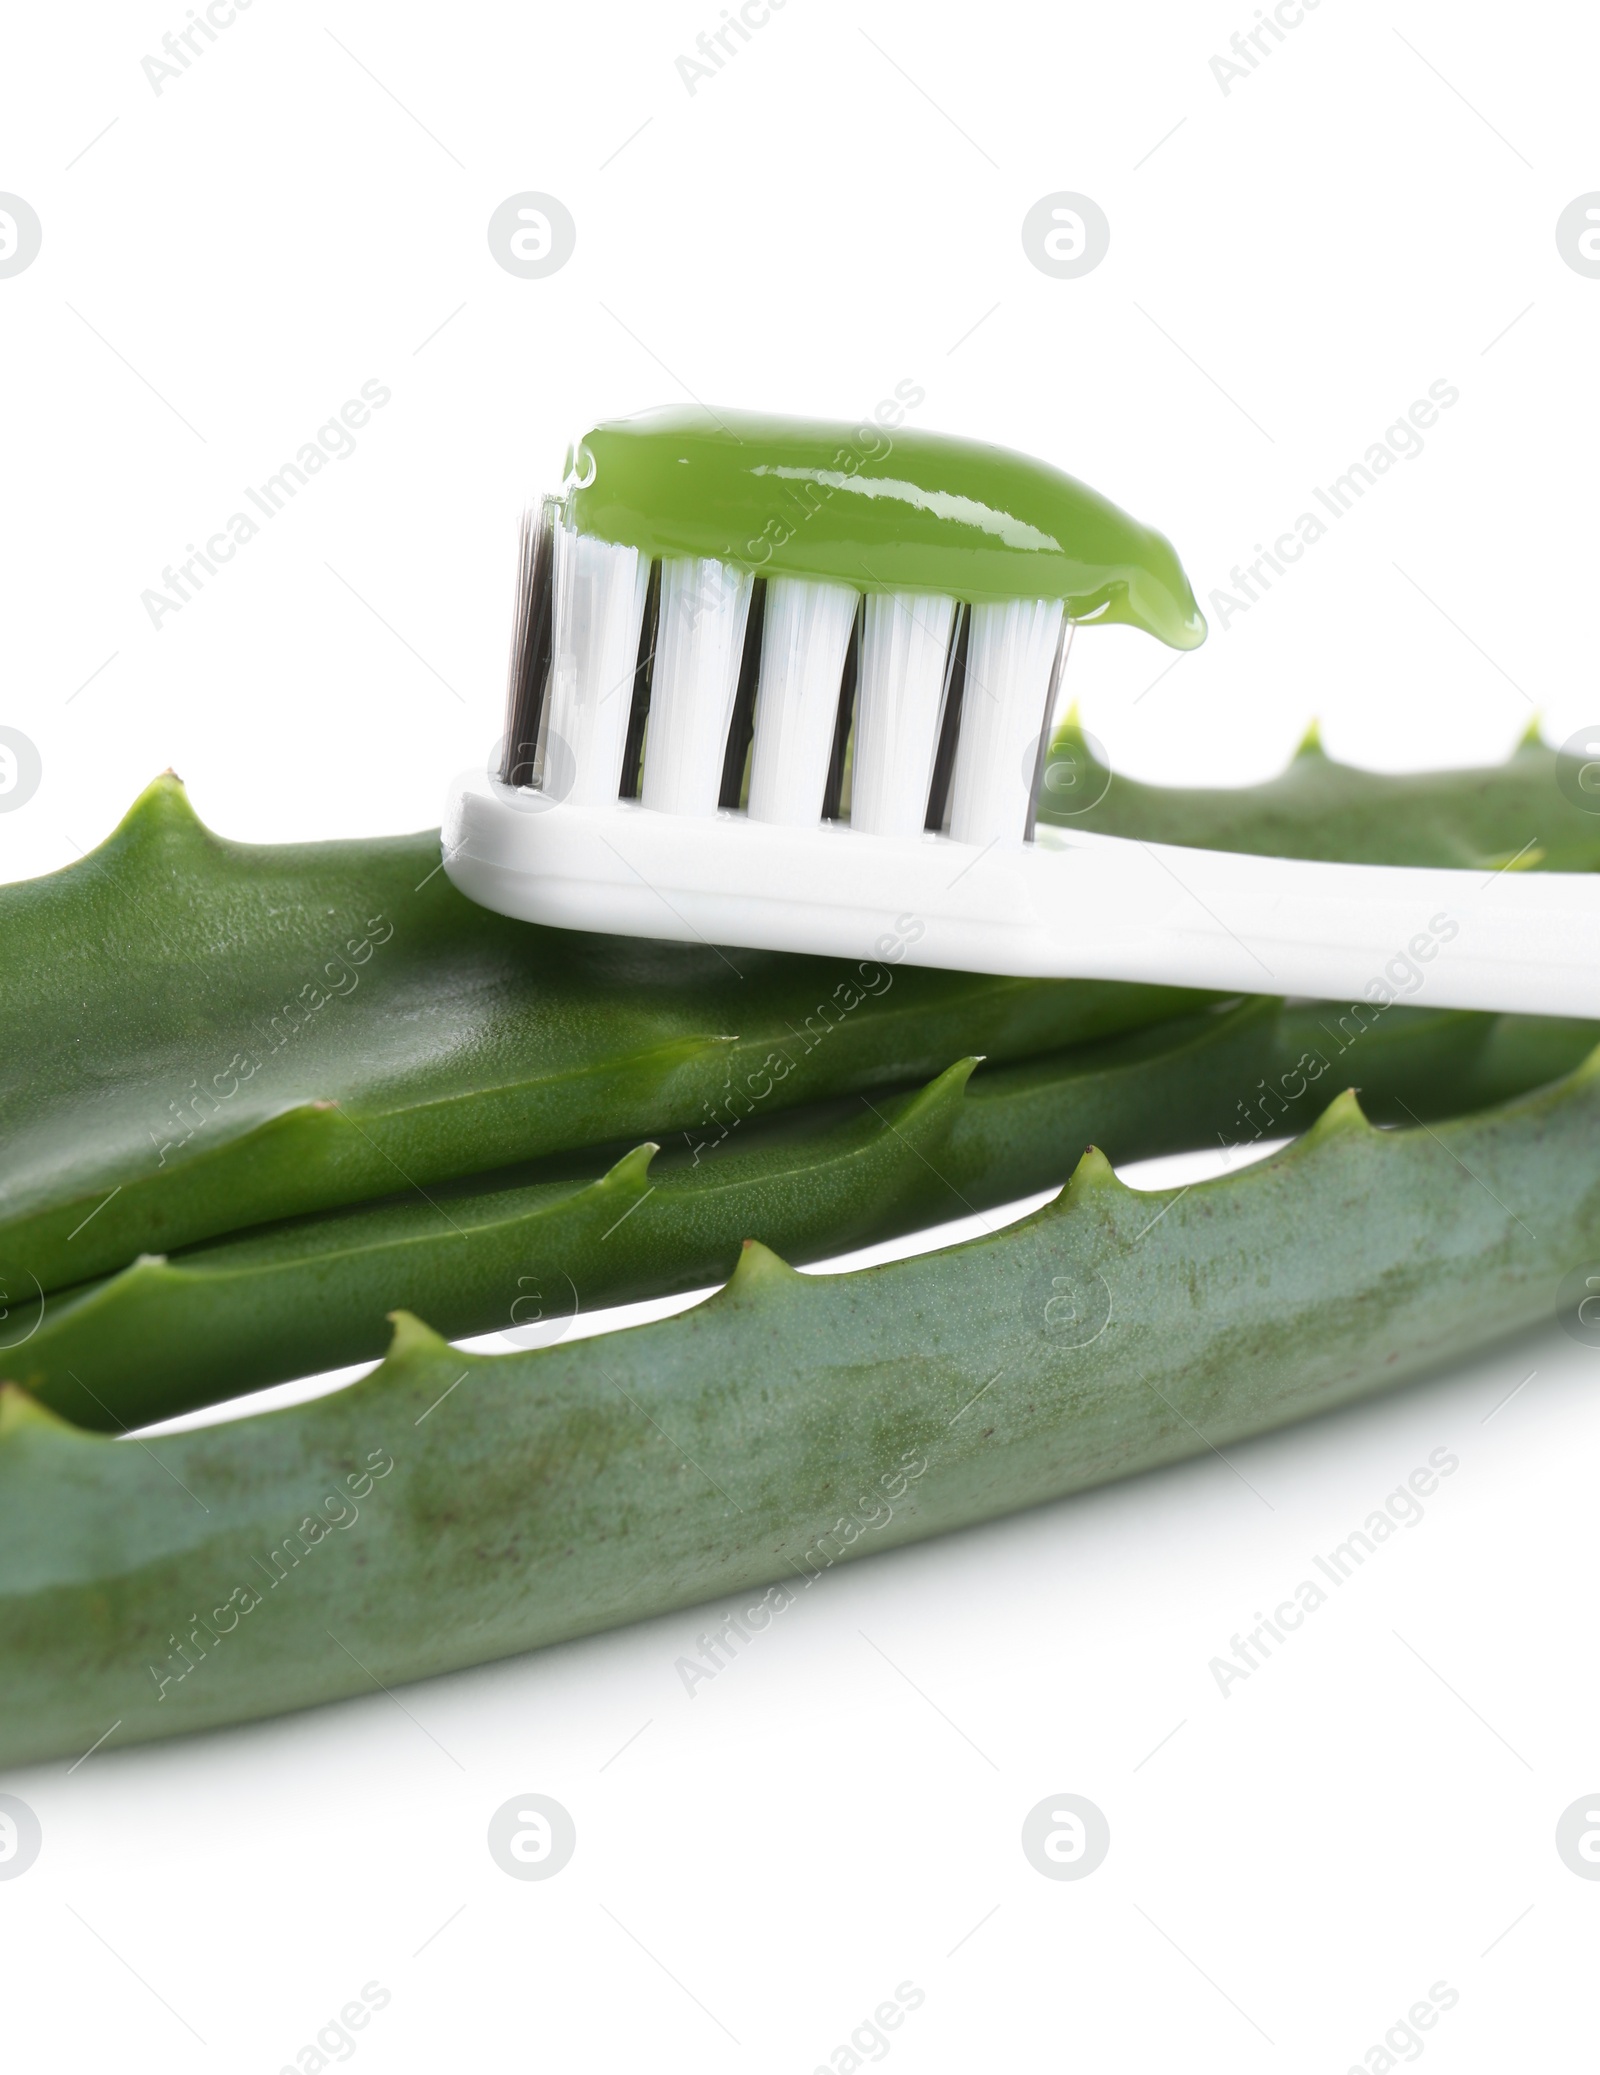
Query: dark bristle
x=741 y=729
x=643 y=669
x=1057 y=672
x=833 y=791
x=955 y=687
x=529 y=676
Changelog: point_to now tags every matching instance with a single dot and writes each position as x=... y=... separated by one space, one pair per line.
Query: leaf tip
x=412 y=1337
x=1094 y=1171
x=163 y=812
x=1587 y=1069
x=633 y=1169
x=758 y=1269
x=1310 y=744
x=21 y=1413
x=946 y=1090
x=1528 y=859
x=1342 y=1116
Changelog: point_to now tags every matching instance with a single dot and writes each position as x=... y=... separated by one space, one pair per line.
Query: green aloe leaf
x=1514 y=813
x=198 y=1035
x=451 y=1509
x=154 y=1340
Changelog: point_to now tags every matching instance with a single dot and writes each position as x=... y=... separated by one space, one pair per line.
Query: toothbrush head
x=850 y=630
x=698 y=566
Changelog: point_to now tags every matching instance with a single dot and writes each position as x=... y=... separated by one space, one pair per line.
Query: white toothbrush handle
x=1068 y=905
x=1513 y=941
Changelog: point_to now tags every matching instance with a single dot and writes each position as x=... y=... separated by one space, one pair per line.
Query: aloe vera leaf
x=175 y=959
x=1484 y=818
x=450 y=1509
x=153 y=1340
x=166 y=1072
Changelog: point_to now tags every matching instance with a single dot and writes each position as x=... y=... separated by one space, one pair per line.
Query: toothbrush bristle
x=599 y=607
x=699 y=646
x=643 y=671
x=530 y=645
x=905 y=645
x=805 y=634
x=833 y=793
x=741 y=729
x=667 y=681
x=944 y=757
x=1010 y=656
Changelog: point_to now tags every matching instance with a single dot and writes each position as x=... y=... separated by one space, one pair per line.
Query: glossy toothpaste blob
x=790 y=684
x=876 y=508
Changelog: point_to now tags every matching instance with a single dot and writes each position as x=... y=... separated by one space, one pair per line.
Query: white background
x=1291 y=264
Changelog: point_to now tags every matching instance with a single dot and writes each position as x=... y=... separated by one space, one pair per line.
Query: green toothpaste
x=879 y=508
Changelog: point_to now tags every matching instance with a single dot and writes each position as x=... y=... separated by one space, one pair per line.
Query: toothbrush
x=790 y=685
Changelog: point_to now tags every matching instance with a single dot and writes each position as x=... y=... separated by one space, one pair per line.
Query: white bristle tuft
x=905 y=642
x=699 y=642
x=1011 y=652
x=804 y=636
x=599 y=606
